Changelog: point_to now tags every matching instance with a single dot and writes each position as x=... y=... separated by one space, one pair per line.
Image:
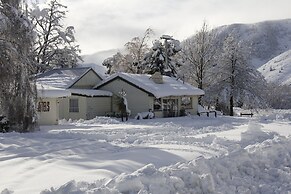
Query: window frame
x=189 y=105
x=74 y=105
x=158 y=102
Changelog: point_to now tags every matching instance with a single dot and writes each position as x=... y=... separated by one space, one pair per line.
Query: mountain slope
x=267 y=39
x=278 y=69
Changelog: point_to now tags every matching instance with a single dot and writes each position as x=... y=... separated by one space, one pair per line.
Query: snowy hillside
x=267 y=39
x=278 y=69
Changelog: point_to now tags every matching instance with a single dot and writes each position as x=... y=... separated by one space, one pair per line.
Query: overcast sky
x=109 y=24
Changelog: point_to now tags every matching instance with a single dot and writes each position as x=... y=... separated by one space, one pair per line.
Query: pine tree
x=161 y=57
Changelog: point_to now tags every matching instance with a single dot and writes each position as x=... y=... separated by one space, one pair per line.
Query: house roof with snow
x=170 y=86
x=65 y=77
x=59 y=82
x=45 y=91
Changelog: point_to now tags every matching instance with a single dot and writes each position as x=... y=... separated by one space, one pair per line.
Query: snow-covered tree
x=118 y=63
x=16 y=90
x=198 y=53
x=55 y=45
x=130 y=60
x=161 y=57
x=137 y=48
x=236 y=81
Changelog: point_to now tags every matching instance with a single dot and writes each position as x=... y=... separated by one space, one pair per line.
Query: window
x=43 y=107
x=74 y=105
x=157 y=104
x=170 y=107
x=186 y=102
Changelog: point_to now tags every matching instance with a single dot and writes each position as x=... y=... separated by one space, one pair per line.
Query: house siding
x=98 y=106
x=64 y=105
x=50 y=117
x=138 y=100
x=88 y=81
x=194 y=109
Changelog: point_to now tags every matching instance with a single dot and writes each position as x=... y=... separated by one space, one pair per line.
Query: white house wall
x=50 y=117
x=138 y=100
x=64 y=105
x=194 y=109
x=98 y=106
x=88 y=81
x=89 y=107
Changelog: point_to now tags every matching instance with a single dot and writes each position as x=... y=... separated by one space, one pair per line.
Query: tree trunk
x=231 y=106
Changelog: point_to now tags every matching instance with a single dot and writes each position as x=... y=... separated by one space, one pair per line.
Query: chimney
x=157 y=78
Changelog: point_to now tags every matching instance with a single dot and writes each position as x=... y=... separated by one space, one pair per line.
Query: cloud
x=107 y=24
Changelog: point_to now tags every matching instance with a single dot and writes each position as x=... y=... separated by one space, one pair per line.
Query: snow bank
x=263 y=166
x=95 y=121
x=275 y=114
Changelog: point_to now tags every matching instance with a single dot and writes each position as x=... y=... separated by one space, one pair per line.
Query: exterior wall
x=194 y=109
x=89 y=107
x=138 y=100
x=88 y=81
x=98 y=106
x=64 y=105
x=50 y=117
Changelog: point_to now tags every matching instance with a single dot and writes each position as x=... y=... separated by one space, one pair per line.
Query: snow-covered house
x=80 y=93
x=68 y=93
x=165 y=96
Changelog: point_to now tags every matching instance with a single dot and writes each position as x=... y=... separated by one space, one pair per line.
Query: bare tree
x=236 y=80
x=137 y=48
x=198 y=53
x=130 y=60
x=16 y=90
x=55 y=45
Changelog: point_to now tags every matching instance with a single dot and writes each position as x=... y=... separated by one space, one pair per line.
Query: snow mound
x=97 y=120
x=254 y=134
x=260 y=168
x=278 y=70
x=275 y=115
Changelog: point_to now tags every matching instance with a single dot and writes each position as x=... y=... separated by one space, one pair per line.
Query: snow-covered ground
x=171 y=155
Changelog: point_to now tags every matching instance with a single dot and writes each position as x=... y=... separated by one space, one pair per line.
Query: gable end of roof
x=90 y=69
x=130 y=83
